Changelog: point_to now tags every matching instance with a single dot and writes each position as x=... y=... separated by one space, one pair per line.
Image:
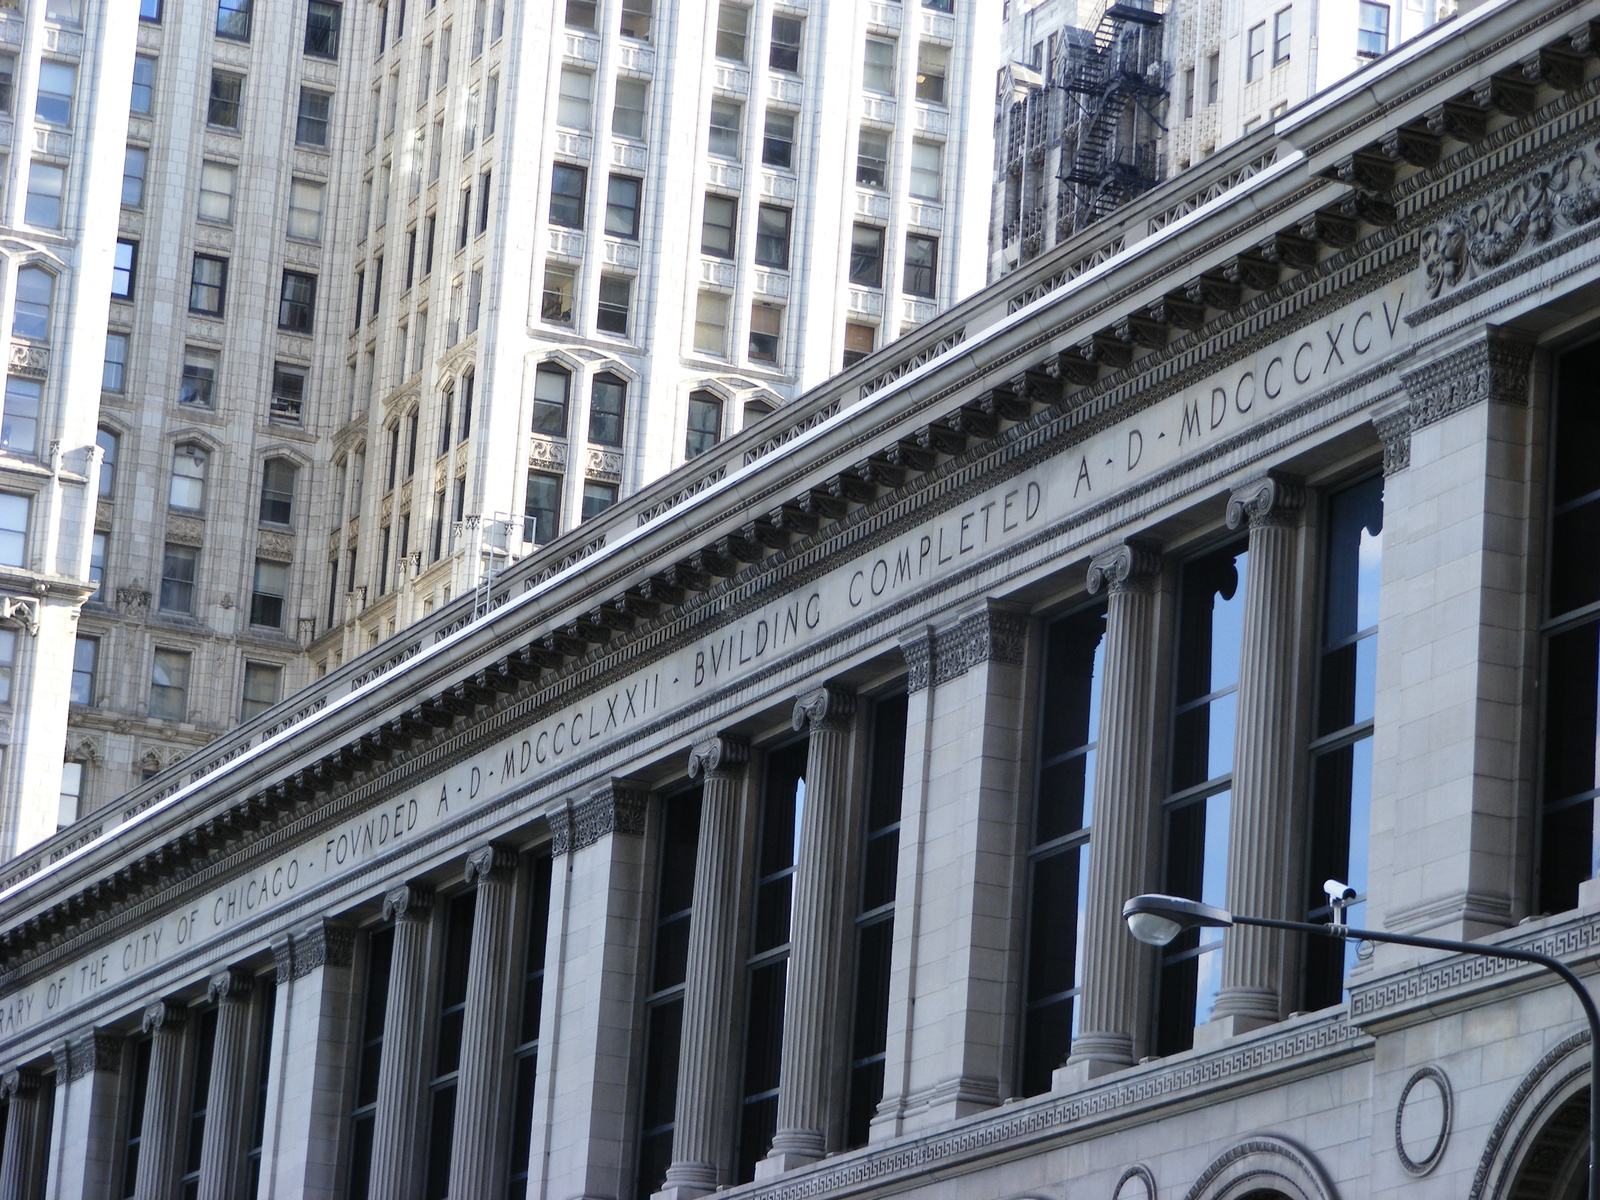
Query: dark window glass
x=777 y=139
x=580 y=14
x=132 y=1133
x=468 y=381
x=551 y=389
x=866 y=256
x=680 y=838
x=177 y=579
x=772 y=236
x=622 y=206
x=607 y=403
x=567 y=187
x=611 y=312
x=718 y=228
x=233 y=19
x=597 y=497
x=1210 y=622
x=527 y=1037
x=784 y=52
x=872 y=158
x=277 y=491
x=204 y=1042
x=375 y=999
x=208 y=285
x=542 y=510
x=226 y=91
x=1069 y=732
x=122 y=269
x=705 y=424
x=266 y=987
x=311 y=126
x=922 y=266
x=297 y=302
x=322 y=29
x=458 y=918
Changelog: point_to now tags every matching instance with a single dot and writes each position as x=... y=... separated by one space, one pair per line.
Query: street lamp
x=1155 y=920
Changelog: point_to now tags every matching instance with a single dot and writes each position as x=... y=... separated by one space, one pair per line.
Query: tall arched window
x=607 y=401
x=36 y=287
x=359 y=473
x=277 y=491
x=188 y=489
x=342 y=474
x=446 y=411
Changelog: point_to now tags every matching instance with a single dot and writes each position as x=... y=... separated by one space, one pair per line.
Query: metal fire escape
x=1115 y=85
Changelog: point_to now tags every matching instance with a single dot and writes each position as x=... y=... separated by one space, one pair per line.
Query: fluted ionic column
x=20 y=1090
x=478 y=1145
x=702 y=1130
x=816 y=934
x=158 y=1136
x=1120 y=837
x=220 y=1149
x=1263 y=754
x=396 y=1131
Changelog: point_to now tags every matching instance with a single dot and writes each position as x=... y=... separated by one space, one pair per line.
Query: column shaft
x=221 y=1150
x=396 y=1135
x=816 y=936
x=1119 y=854
x=158 y=1135
x=478 y=1144
x=1264 y=751
x=702 y=1129
x=17 y=1168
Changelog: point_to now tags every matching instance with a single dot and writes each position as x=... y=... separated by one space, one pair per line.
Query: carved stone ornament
x=605 y=465
x=20 y=612
x=232 y=985
x=1137 y=1183
x=1392 y=423
x=918 y=651
x=1130 y=566
x=409 y=901
x=161 y=1015
x=491 y=864
x=829 y=707
x=324 y=944
x=544 y=453
x=1494 y=367
x=719 y=757
x=133 y=600
x=19 y=1083
x=618 y=807
x=1493 y=230
x=185 y=531
x=275 y=545
x=1422 y=1120
x=991 y=635
x=94 y=1051
x=1270 y=500
x=30 y=360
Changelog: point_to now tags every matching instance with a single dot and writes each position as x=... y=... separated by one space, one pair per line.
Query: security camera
x=1338 y=893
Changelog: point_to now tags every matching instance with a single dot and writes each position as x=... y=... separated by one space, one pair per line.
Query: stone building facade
x=771 y=830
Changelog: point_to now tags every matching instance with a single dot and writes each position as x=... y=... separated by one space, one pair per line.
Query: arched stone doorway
x=1557 y=1162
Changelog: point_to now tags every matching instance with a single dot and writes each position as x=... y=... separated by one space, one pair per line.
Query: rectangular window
x=726 y=120
x=377 y=286
x=1213 y=77
x=266 y=594
x=474 y=298
x=53 y=100
x=616 y=293
x=608 y=402
x=34 y=292
x=322 y=29
x=922 y=266
x=14 y=513
x=1372 y=31
x=305 y=210
x=199 y=381
x=468 y=381
x=878 y=69
x=42 y=206
x=783 y=54
x=208 y=285
x=933 y=65
x=567 y=188
x=19 y=423
x=436 y=155
x=542 y=508
x=872 y=158
x=927 y=170
x=150 y=10
x=733 y=31
x=559 y=284
x=132 y=1132
x=636 y=16
x=580 y=14
x=1281 y=26
x=772 y=236
x=311 y=125
x=1188 y=93
x=1255 y=58
x=97 y=562
x=525 y=1056
x=227 y=90
x=622 y=206
x=859 y=341
x=177 y=578
x=777 y=139
x=8 y=82
x=866 y=256
x=491 y=109
x=552 y=388
x=631 y=109
x=485 y=198
x=144 y=81
x=718 y=226
x=575 y=105
x=260 y=689
x=705 y=424
x=419 y=342
x=470 y=138
x=297 y=301
x=288 y=393
x=364 y=1108
x=85 y=654
x=233 y=19
x=1211 y=592
x=711 y=324
x=597 y=497
x=663 y=1021
x=1341 y=748
x=135 y=161
x=458 y=916
x=766 y=332
x=444 y=58
x=123 y=265
x=8 y=662
x=71 y=801
x=216 y=192
x=113 y=373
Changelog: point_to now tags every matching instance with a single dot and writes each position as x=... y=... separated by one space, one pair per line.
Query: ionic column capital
x=1132 y=565
x=408 y=902
x=829 y=707
x=19 y=1083
x=1271 y=499
x=233 y=985
x=719 y=757
x=491 y=864
x=163 y=1014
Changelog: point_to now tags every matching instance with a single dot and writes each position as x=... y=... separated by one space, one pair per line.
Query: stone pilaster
x=23 y=1156
x=1265 y=747
x=1116 y=972
x=478 y=1148
x=315 y=1029
x=158 y=1136
x=221 y=1151
x=816 y=951
x=397 y=1132
x=86 y=1120
x=702 y=1133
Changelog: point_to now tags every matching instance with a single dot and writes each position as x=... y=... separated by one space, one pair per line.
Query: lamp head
x=1155 y=919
